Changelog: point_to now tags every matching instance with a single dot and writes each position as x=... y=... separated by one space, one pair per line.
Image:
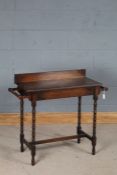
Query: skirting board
x=58 y=118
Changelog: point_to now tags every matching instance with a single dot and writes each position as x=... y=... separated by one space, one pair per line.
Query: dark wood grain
x=55 y=85
x=52 y=75
x=52 y=89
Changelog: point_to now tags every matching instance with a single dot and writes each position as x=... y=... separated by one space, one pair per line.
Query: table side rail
x=15 y=92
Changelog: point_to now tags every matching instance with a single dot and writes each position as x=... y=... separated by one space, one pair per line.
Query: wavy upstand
x=55 y=85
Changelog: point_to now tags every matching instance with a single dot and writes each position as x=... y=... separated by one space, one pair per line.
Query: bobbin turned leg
x=95 y=98
x=79 y=119
x=21 y=124
x=33 y=147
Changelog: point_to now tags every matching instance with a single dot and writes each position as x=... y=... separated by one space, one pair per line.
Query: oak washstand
x=55 y=85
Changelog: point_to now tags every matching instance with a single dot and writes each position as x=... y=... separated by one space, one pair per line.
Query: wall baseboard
x=58 y=118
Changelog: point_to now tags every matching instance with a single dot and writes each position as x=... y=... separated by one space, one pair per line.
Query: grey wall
x=43 y=35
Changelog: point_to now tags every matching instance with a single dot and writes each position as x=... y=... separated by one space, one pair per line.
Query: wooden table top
x=46 y=85
x=56 y=84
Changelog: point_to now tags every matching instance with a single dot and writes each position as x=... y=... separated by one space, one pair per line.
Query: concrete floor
x=59 y=158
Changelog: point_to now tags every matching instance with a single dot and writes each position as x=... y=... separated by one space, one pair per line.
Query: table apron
x=66 y=93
